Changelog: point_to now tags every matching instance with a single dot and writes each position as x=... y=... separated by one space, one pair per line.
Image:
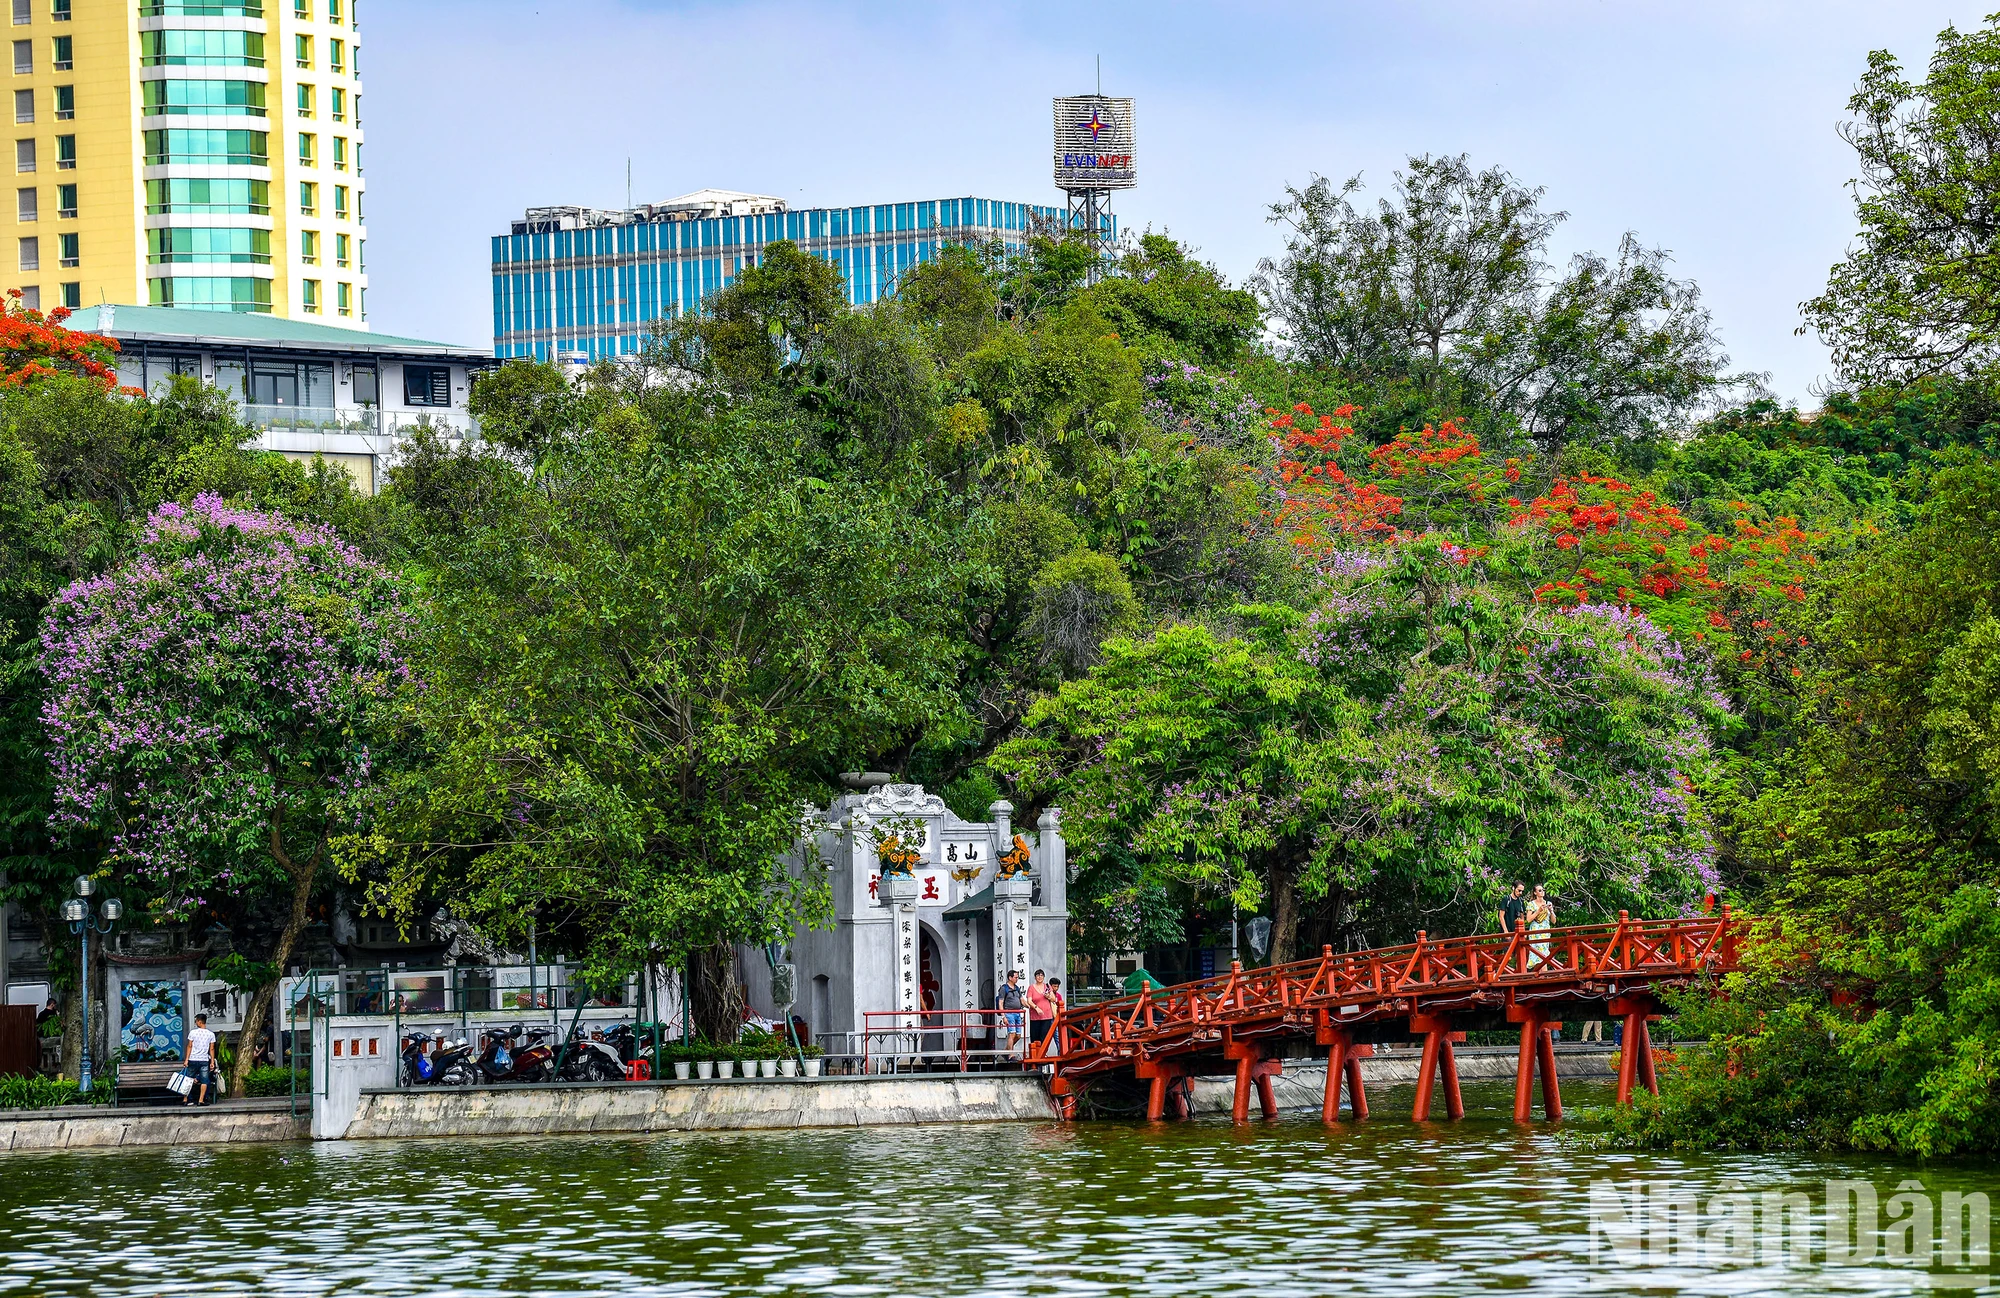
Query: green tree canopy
x=642 y=662
x=1919 y=293
x=1397 y=754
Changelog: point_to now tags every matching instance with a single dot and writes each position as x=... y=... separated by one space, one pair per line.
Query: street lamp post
x=77 y=911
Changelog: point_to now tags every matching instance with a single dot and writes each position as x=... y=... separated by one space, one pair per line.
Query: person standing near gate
x=1514 y=909
x=199 y=1062
x=1008 y=1002
x=1041 y=1009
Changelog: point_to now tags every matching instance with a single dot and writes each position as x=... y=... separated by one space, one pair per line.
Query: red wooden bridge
x=1431 y=989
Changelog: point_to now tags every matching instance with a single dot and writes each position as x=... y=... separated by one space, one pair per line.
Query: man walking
x=1009 y=1004
x=200 y=1061
x=1515 y=909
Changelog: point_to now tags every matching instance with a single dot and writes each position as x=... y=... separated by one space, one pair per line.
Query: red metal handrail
x=1190 y=1015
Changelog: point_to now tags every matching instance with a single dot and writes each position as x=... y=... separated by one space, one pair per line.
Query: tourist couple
x=1043 y=999
x=1537 y=913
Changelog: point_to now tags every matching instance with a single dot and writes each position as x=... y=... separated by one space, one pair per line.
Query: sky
x=1708 y=129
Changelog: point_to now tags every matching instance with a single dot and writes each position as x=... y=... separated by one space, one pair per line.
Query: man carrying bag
x=200 y=1064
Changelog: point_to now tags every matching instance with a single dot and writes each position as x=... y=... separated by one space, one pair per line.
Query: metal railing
x=364 y=421
x=920 y=1040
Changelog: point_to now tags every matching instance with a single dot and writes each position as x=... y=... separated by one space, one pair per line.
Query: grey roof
x=243 y=329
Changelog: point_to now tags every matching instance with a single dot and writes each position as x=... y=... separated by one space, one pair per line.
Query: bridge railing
x=1522 y=960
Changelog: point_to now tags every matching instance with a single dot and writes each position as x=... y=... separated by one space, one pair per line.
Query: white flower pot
x=812 y=1067
x=681 y=1071
x=725 y=1068
x=704 y=1069
x=767 y=1067
x=788 y=1068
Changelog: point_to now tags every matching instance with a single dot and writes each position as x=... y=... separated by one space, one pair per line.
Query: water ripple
x=1284 y=1210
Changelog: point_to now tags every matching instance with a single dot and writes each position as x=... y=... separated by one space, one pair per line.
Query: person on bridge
x=1541 y=918
x=1514 y=908
x=1041 y=1010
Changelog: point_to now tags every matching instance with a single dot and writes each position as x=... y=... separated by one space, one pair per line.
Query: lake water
x=1272 y=1209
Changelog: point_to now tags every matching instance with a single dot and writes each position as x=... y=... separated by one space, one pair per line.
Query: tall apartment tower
x=199 y=154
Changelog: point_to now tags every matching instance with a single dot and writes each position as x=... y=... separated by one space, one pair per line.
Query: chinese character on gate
x=873 y=883
x=930 y=888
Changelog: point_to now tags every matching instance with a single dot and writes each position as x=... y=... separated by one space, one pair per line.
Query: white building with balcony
x=309 y=389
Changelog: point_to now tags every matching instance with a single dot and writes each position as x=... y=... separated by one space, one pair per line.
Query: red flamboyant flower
x=34 y=346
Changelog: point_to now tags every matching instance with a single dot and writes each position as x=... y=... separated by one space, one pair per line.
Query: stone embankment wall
x=702 y=1106
x=683 y=1106
x=91 y=1127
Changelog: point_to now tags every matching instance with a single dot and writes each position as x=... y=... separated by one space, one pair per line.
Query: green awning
x=1135 y=982
x=977 y=904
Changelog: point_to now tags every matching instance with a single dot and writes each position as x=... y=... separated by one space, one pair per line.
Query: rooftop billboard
x=1094 y=144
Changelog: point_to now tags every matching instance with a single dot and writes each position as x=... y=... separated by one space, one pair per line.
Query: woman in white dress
x=1541 y=918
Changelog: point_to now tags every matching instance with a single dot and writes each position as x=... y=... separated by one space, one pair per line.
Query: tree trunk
x=717 y=998
x=72 y=1037
x=59 y=948
x=302 y=876
x=1284 y=913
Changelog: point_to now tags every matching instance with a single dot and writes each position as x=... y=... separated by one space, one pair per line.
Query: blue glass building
x=582 y=282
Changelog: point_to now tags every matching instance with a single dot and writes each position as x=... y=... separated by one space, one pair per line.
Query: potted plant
x=812 y=1060
x=752 y=1048
x=704 y=1055
x=767 y=1047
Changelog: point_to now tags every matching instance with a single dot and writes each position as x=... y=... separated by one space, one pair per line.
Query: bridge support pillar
x=1439 y=1061
x=1537 y=1049
x=1165 y=1080
x=1252 y=1068
x=1343 y=1060
x=1635 y=1058
x=1062 y=1096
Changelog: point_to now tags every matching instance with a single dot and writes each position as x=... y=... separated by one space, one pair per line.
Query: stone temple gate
x=939 y=933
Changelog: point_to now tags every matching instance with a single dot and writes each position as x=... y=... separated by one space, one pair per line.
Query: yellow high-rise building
x=203 y=154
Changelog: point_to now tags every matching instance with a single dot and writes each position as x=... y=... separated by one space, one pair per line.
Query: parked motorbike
x=624 y=1042
x=501 y=1061
x=535 y=1062
x=445 y=1063
x=591 y=1059
x=451 y=1061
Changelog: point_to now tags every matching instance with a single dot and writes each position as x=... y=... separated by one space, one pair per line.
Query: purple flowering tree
x=211 y=706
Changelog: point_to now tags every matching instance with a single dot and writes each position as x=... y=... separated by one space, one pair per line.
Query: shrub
x=271 y=1080
x=47 y=1093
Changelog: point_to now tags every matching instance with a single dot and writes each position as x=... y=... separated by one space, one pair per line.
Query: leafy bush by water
x=274 y=1081
x=47 y=1093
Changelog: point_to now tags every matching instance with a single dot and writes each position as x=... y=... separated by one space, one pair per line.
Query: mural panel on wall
x=154 y=1020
